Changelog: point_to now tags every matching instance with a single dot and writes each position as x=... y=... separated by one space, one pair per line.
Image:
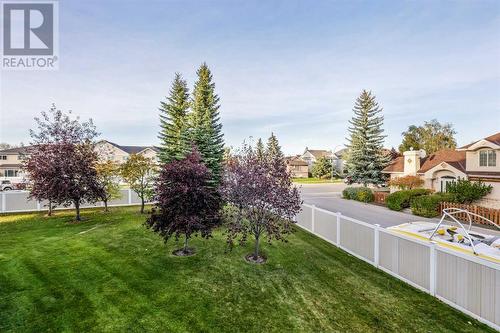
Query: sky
x=293 y=68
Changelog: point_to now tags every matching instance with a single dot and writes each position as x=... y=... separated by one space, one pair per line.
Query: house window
x=11 y=173
x=3 y=157
x=487 y=158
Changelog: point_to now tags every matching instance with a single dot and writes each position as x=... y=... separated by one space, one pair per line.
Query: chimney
x=412 y=161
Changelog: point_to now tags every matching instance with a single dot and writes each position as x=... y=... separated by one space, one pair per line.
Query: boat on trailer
x=456 y=236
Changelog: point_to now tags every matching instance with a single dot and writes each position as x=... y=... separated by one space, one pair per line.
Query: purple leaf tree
x=186 y=203
x=262 y=198
x=60 y=162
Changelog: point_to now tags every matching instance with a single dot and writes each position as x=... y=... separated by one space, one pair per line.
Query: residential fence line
x=380 y=197
x=467 y=283
x=490 y=213
x=17 y=201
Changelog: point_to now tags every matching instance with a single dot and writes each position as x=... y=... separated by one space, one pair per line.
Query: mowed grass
x=110 y=274
x=313 y=180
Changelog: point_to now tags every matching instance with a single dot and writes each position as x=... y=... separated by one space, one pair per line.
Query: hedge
x=363 y=194
x=428 y=205
x=402 y=199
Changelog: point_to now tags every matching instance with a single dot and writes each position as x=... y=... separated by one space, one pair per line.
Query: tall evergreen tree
x=173 y=122
x=366 y=159
x=260 y=151
x=206 y=132
x=273 y=149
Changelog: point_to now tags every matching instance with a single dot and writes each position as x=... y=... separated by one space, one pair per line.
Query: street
x=329 y=197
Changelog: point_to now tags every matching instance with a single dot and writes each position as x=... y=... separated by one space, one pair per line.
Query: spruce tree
x=273 y=150
x=173 y=122
x=366 y=159
x=206 y=131
x=260 y=150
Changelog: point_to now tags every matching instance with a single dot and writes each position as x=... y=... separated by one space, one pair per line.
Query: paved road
x=328 y=196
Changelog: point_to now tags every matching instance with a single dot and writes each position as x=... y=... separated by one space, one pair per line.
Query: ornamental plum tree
x=187 y=203
x=262 y=197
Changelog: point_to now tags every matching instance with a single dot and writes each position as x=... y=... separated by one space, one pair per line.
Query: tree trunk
x=77 y=207
x=142 y=204
x=106 y=205
x=186 y=244
x=256 y=251
x=50 y=209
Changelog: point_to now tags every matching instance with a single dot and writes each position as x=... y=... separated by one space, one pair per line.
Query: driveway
x=328 y=196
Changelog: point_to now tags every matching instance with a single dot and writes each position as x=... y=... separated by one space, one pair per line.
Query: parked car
x=6 y=185
x=348 y=180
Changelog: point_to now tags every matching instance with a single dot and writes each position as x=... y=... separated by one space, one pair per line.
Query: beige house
x=476 y=161
x=11 y=164
x=111 y=151
x=297 y=167
x=11 y=159
x=311 y=156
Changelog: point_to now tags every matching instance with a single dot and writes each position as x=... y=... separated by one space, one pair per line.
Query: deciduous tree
x=431 y=136
x=186 y=204
x=108 y=177
x=263 y=200
x=139 y=172
x=63 y=149
x=407 y=182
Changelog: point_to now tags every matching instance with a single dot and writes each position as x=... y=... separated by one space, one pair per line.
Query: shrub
x=350 y=193
x=363 y=194
x=401 y=199
x=407 y=182
x=428 y=205
x=467 y=191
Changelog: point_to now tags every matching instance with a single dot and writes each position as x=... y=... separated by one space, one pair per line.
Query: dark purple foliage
x=263 y=199
x=186 y=203
x=61 y=160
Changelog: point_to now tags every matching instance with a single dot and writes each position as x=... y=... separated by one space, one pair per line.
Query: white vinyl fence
x=467 y=283
x=17 y=201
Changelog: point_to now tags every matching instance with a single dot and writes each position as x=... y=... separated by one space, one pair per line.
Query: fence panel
x=380 y=197
x=122 y=200
x=18 y=201
x=470 y=285
x=304 y=218
x=357 y=238
x=325 y=225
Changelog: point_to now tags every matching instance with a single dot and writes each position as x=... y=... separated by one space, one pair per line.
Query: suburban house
x=475 y=161
x=311 y=156
x=297 y=167
x=11 y=159
x=112 y=151
x=11 y=164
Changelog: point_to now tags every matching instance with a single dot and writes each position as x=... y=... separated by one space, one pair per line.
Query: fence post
x=313 y=217
x=432 y=269
x=129 y=196
x=3 y=202
x=338 y=227
x=376 y=245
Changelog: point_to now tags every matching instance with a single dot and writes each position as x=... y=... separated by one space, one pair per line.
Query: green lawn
x=313 y=180
x=110 y=274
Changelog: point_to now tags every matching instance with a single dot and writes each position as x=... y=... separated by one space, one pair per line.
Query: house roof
x=340 y=153
x=16 y=150
x=295 y=160
x=3 y=166
x=495 y=138
x=452 y=157
x=132 y=149
x=318 y=153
